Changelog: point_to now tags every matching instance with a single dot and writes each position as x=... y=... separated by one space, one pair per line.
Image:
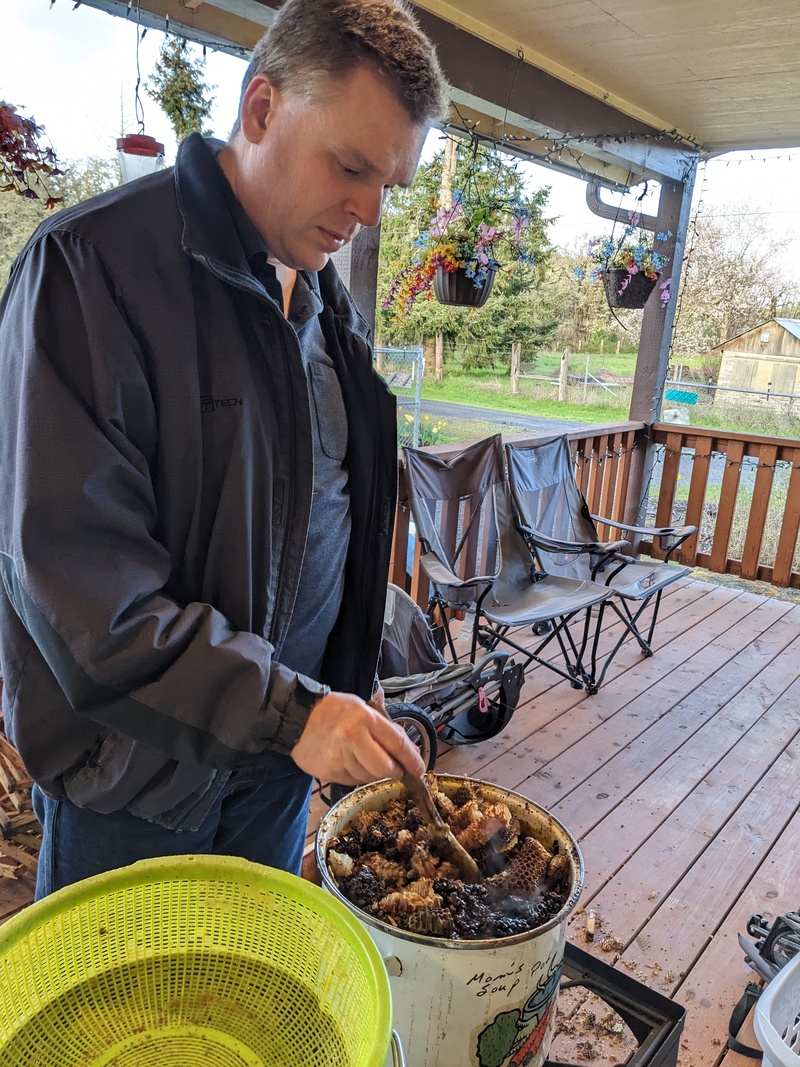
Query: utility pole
x=445 y=200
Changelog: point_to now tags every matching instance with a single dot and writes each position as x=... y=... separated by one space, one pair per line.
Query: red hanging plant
x=23 y=158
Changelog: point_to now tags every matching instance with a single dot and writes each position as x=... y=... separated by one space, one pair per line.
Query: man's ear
x=260 y=99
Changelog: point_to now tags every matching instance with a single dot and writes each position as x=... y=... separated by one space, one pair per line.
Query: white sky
x=75 y=72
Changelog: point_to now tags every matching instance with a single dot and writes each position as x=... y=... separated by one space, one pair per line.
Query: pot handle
x=398 y=1057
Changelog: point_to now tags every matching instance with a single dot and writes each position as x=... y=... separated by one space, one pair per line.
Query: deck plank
x=626 y=769
x=726 y=756
x=720 y=976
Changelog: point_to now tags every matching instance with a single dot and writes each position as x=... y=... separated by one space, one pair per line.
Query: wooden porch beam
x=357 y=264
x=232 y=26
x=674 y=209
x=541 y=116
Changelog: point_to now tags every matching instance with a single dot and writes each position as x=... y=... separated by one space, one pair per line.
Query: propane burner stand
x=654 y=1020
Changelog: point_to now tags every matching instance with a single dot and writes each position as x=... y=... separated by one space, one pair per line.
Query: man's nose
x=367 y=205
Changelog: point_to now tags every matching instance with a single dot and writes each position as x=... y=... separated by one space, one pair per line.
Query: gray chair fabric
x=478 y=562
x=555 y=521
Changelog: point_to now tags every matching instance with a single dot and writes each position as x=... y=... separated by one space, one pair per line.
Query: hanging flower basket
x=624 y=290
x=456 y=287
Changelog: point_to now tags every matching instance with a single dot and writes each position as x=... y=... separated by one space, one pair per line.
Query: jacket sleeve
x=81 y=559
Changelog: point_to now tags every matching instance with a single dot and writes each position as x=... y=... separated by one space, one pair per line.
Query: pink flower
x=520 y=223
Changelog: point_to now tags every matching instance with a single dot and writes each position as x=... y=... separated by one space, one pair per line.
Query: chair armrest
x=669 y=537
x=550 y=544
x=440 y=574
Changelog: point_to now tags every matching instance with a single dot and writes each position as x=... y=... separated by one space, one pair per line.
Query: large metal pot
x=468 y=1003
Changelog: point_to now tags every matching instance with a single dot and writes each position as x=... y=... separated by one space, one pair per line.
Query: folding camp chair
x=556 y=523
x=478 y=563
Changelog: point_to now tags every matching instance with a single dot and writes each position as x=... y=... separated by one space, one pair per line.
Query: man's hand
x=346 y=741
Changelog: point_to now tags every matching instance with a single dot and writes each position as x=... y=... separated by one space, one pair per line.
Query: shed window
x=764 y=337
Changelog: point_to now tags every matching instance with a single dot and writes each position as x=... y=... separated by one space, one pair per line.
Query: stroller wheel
x=420 y=729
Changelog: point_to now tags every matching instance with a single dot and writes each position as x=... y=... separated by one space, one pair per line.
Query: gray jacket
x=156 y=472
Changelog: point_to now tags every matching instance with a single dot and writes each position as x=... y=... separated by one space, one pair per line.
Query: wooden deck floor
x=680 y=781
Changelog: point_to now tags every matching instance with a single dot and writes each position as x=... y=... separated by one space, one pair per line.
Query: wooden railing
x=743 y=495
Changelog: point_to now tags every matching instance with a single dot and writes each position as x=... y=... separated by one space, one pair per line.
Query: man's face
x=311 y=173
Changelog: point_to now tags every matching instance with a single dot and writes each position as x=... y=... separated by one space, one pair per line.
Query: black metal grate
x=655 y=1021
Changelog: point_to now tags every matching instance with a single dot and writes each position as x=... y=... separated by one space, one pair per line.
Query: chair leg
x=653 y=619
x=590 y=678
x=572 y=655
x=433 y=604
x=629 y=620
x=571 y=671
x=595 y=680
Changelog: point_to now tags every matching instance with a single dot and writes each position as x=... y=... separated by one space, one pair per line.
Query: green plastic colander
x=191 y=960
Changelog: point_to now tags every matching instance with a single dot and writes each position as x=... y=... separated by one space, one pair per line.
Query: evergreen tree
x=178 y=87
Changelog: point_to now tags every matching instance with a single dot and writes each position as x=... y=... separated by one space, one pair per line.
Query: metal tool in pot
x=438 y=830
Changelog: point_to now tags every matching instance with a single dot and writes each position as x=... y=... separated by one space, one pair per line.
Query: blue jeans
x=261 y=815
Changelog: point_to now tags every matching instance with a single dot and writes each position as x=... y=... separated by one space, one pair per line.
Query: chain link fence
x=687 y=401
x=402 y=370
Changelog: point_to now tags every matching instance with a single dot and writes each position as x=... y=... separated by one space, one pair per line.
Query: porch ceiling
x=725 y=73
x=617 y=89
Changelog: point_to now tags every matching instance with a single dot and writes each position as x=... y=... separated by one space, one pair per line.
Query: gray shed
x=766 y=359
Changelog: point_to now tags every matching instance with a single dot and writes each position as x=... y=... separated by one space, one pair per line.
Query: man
x=198 y=468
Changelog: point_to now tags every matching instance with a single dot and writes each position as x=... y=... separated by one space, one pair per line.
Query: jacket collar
x=210 y=230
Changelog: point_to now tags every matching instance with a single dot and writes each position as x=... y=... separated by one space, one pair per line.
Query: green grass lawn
x=461 y=389
x=491 y=388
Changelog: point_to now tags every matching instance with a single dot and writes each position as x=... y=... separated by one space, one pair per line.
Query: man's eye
x=350 y=171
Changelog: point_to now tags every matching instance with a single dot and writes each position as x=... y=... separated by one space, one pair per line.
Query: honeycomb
x=386 y=865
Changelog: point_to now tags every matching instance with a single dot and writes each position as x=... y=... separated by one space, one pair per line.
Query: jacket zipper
x=239 y=281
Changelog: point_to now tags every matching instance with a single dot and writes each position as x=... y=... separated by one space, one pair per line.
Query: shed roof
x=790 y=325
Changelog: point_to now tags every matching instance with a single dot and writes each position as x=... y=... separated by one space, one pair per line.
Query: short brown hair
x=314 y=40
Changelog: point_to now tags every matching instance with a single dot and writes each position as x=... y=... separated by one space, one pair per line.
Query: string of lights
x=753 y=158
x=553 y=148
x=688 y=252
x=662 y=452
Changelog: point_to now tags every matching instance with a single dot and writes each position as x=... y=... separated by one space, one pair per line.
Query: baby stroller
x=434 y=701
x=462 y=703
